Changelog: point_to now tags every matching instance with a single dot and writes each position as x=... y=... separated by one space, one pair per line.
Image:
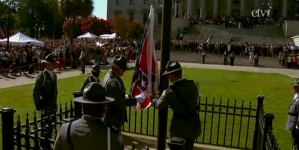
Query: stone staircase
x=258 y=34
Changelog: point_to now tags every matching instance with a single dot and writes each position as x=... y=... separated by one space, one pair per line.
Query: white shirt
x=296 y=95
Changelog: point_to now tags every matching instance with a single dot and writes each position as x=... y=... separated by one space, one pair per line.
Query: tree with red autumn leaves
x=126 y=28
x=96 y=26
x=71 y=28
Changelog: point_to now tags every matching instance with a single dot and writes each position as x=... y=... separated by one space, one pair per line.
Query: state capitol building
x=139 y=9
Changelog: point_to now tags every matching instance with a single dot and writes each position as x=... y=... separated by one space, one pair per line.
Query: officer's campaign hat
x=96 y=68
x=171 y=67
x=50 y=59
x=94 y=93
x=120 y=61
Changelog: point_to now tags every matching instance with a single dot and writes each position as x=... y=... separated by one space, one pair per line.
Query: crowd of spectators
x=27 y=58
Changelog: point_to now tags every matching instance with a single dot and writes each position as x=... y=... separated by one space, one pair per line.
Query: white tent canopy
x=87 y=35
x=108 y=36
x=21 y=39
x=296 y=40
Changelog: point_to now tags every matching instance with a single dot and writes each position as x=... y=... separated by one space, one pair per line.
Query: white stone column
x=243 y=8
x=285 y=8
x=228 y=7
x=256 y=4
x=181 y=7
x=203 y=8
x=216 y=8
x=190 y=10
x=271 y=7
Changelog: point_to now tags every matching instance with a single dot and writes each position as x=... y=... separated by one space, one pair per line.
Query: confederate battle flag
x=145 y=79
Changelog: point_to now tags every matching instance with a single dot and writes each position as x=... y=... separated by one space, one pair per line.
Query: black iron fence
x=223 y=122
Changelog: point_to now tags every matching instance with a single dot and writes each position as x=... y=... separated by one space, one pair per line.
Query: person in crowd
x=116 y=89
x=256 y=60
x=90 y=132
x=293 y=122
x=82 y=57
x=45 y=93
x=183 y=98
x=232 y=58
x=94 y=76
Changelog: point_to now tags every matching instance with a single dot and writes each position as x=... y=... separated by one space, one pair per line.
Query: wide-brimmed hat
x=94 y=93
x=95 y=68
x=120 y=61
x=296 y=83
x=171 y=67
x=50 y=59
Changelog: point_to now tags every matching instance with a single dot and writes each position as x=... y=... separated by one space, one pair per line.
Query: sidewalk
x=8 y=82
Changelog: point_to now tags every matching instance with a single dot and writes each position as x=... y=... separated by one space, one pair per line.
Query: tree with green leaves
x=73 y=9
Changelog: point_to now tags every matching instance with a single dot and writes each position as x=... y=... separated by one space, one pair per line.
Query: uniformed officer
x=183 y=97
x=94 y=76
x=292 y=123
x=115 y=88
x=45 y=92
x=90 y=132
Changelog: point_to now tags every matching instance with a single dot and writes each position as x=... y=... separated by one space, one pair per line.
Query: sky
x=100 y=8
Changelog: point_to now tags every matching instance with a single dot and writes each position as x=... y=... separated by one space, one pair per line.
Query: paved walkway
x=10 y=82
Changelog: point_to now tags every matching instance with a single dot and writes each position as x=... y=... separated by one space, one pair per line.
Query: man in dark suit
x=293 y=122
x=82 y=58
x=94 y=76
x=90 y=132
x=183 y=97
x=45 y=93
x=115 y=88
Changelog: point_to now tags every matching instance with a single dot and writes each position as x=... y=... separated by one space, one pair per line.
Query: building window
x=131 y=2
x=131 y=16
x=145 y=2
x=160 y=1
x=116 y=2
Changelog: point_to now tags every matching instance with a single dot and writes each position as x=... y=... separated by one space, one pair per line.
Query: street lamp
x=11 y=5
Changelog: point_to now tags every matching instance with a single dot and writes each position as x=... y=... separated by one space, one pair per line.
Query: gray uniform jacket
x=293 y=115
x=89 y=79
x=185 y=122
x=115 y=88
x=45 y=92
x=88 y=133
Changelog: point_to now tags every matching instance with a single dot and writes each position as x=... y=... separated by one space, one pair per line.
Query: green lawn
x=216 y=84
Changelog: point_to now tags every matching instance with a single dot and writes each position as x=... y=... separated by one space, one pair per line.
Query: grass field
x=213 y=83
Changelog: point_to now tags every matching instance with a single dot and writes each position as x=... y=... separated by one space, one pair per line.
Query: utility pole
x=165 y=56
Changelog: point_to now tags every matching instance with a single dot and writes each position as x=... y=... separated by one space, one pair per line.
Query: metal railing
x=223 y=123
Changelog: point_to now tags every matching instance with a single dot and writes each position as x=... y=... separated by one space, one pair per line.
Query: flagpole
x=165 y=56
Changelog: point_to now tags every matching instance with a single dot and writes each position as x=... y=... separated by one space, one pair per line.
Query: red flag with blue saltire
x=145 y=79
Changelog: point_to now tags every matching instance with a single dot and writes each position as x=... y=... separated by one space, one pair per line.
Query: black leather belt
x=292 y=114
